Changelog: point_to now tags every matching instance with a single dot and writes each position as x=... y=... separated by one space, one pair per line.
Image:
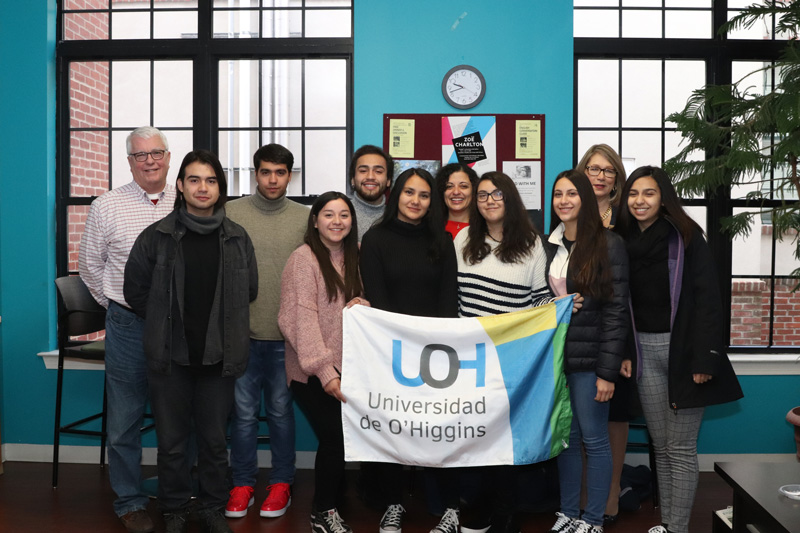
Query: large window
x=637 y=61
x=227 y=75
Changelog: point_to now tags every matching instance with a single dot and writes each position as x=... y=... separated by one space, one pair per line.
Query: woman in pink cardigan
x=320 y=279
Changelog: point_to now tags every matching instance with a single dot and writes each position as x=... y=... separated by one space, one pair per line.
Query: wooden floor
x=83 y=502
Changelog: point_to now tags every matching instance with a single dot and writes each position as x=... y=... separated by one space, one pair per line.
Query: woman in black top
x=678 y=329
x=408 y=265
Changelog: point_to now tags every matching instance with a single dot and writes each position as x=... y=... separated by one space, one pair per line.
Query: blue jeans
x=265 y=371
x=126 y=388
x=590 y=427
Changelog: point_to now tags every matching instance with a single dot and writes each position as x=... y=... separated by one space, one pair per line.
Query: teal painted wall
x=27 y=217
x=523 y=47
x=755 y=424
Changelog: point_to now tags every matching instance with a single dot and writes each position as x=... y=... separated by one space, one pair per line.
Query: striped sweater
x=492 y=287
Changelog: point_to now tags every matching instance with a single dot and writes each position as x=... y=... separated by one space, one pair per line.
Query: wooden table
x=756 y=498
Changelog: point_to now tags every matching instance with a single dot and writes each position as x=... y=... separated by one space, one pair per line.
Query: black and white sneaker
x=583 y=527
x=392 y=521
x=564 y=524
x=328 y=522
x=448 y=523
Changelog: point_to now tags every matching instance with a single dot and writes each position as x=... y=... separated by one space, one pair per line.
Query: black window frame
x=205 y=52
x=719 y=53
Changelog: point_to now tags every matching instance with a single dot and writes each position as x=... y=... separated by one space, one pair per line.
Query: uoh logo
x=454 y=365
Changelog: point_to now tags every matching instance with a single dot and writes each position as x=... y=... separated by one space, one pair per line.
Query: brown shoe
x=138 y=521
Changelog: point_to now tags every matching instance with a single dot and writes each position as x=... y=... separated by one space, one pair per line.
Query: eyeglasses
x=607 y=172
x=141 y=157
x=496 y=194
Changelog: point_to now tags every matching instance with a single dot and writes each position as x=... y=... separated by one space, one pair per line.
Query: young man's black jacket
x=155 y=271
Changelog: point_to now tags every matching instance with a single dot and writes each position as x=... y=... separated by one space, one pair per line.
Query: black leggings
x=324 y=413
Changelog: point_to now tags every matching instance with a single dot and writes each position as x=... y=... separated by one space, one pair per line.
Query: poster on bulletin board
x=470 y=140
x=509 y=143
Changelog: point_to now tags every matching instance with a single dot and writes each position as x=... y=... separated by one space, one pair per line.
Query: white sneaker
x=657 y=529
x=392 y=521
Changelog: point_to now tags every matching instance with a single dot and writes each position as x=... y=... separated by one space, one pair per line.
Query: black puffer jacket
x=597 y=334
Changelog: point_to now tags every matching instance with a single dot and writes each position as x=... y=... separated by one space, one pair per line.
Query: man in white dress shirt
x=114 y=221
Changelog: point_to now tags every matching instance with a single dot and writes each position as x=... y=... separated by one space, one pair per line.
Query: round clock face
x=463 y=87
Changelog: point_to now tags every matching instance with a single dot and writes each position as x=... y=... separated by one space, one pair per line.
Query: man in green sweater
x=276 y=226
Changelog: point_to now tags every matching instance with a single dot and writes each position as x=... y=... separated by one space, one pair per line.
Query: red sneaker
x=278 y=500
x=241 y=499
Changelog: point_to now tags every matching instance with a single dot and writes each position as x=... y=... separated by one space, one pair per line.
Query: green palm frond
x=787 y=17
x=746 y=137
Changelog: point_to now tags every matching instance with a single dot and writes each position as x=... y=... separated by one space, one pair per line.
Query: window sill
x=743 y=364
x=765 y=364
x=50 y=360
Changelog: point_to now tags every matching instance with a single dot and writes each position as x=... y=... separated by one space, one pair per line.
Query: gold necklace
x=607 y=213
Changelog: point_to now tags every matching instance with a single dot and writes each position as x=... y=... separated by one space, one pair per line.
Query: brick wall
x=750 y=313
x=787 y=314
x=89 y=150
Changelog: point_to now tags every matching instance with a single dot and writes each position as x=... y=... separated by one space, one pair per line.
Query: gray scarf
x=201 y=225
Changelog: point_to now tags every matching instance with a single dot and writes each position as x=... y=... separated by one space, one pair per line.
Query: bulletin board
x=509 y=143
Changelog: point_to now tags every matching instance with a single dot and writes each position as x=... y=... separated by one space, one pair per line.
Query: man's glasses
x=141 y=157
x=483 y=196
x=607 y=172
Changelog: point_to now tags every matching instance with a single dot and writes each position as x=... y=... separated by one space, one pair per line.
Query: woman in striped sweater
x=501 y=268
x=501 y=258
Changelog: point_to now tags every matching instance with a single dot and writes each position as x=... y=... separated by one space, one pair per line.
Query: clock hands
x=452 y=93
x=460 y=88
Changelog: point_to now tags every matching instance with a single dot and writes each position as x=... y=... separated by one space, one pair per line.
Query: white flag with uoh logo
x=448 y=392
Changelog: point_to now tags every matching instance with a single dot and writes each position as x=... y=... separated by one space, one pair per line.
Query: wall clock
x=463 y=87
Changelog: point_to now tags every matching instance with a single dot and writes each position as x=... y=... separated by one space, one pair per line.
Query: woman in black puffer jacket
x=585 y=257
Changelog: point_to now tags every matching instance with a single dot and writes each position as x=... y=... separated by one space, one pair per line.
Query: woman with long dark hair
x=678 y=329
x=501 y=229
x=501 y=257
x=585 y=257
x=320 y=279
x=408 y=265
x=501 y=268
x=455 y=184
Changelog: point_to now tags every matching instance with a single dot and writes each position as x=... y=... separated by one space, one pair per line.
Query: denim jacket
x=155 y=270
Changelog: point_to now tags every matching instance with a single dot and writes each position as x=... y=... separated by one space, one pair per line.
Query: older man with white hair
x=114 y=222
